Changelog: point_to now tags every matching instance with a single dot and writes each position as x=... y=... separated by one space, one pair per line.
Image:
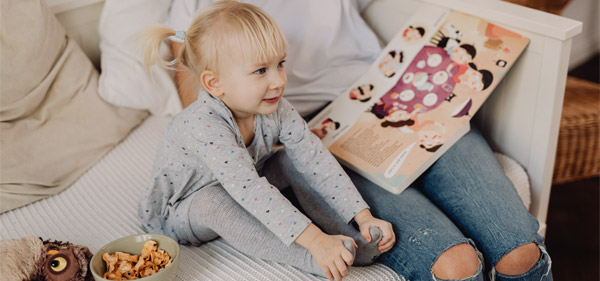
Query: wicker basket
x=550 y=6
x=577 y=153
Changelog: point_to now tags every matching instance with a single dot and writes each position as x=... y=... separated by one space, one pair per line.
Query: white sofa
x=520 y=120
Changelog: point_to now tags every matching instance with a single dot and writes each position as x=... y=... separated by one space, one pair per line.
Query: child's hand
x=331 y=255
x=365 y=221
x=328 y=251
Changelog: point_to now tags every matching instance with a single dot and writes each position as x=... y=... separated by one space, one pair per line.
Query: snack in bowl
x=144 y=257
x=124 y=266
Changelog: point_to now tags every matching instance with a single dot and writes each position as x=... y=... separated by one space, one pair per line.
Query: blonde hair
x=224 y=25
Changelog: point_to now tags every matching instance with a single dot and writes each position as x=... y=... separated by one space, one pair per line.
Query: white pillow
x=123 y=81
x=330 y=45
x=517 y=175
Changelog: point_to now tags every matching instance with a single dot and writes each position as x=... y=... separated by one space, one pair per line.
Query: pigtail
x=186 y=57
x=152 y=38
x=202 y=42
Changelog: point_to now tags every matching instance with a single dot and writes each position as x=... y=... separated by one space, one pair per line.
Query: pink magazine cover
x=416 y=100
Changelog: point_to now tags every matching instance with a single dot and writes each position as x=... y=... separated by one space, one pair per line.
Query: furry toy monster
x=32 y=259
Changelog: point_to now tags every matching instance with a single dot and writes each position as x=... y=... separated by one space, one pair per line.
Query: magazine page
x=416 y=100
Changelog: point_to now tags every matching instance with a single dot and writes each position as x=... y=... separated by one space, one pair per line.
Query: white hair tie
x=180 y=34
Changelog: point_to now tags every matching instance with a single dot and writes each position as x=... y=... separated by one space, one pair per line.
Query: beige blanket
x=54 y=126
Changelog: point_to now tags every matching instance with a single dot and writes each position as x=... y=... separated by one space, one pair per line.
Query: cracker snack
x=124 y=266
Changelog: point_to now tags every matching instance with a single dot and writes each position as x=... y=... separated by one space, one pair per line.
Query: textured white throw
x=102 y=205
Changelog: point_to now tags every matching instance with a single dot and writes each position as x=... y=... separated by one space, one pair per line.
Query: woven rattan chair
x=577 y=152
x=578 y=149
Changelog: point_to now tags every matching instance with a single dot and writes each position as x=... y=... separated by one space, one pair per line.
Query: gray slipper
x=350 y=247
x=367 y=253
x=376 y=235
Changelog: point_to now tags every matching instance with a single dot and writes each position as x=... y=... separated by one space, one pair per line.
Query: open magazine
x=416 y=99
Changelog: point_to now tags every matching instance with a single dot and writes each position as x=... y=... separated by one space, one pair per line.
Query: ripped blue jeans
x=465 y=197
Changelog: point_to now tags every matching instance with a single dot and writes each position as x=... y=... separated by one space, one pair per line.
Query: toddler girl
x=219 y=165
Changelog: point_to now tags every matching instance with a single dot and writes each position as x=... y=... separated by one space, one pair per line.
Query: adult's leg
x=469 y=185
x=424 y=235
x=214 y=213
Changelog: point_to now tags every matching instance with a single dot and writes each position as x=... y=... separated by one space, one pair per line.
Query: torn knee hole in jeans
x=476 y=275
x=544 y=258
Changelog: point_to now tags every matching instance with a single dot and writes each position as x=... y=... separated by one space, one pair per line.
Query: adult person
x=462 y=219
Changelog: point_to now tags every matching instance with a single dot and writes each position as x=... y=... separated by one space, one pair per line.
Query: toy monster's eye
x=58 y=264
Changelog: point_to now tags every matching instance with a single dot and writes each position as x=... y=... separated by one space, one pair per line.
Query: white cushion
x=517 y=176
x=54 y=126
x=123 y=81
x=330 y=45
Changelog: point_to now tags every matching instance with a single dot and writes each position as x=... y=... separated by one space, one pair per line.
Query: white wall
x=587 y=43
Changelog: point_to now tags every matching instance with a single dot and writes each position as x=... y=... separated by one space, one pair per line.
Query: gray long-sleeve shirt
x=203 y=146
